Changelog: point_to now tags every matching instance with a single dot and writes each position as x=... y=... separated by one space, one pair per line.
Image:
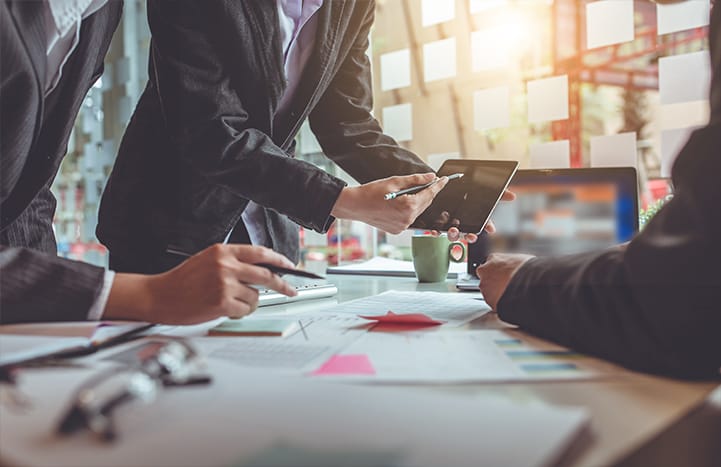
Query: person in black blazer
x=35 y=124
x=207 y=137
x=653 y=304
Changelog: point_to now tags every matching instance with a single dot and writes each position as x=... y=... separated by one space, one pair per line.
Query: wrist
x=346 y=204
x=131 y=297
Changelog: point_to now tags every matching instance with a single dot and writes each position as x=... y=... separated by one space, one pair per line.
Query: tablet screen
x=467 y=202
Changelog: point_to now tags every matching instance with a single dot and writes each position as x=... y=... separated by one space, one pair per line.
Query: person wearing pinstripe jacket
x=51 y=52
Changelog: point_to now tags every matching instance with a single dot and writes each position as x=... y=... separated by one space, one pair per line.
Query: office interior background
x=550 y=83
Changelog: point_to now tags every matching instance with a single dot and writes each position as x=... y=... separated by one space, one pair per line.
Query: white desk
x=635 y=420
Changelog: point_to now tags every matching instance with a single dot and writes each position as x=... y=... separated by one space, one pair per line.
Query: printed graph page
x=458 y=357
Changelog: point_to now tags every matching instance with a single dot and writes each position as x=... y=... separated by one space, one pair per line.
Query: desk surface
x=626 y=412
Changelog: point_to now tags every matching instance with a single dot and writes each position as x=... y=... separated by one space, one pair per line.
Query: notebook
x=252 y=327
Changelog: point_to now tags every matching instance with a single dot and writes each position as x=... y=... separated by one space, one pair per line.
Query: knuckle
x=217 y=252
x=266 y=275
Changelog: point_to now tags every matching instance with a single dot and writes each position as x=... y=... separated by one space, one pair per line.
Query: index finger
x=427 y=195
x=259 y=254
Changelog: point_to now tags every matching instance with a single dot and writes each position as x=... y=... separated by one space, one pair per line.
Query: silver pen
x=416 y=189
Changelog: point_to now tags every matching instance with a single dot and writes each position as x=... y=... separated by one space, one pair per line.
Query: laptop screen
x=564 y=211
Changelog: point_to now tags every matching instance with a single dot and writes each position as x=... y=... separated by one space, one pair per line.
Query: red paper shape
x=346 y=365
x=408 y=318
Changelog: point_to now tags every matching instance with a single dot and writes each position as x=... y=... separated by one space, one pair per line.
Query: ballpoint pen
x=416 y=189
x=271 y=267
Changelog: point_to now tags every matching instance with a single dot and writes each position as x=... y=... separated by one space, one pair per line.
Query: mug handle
x=463 y=249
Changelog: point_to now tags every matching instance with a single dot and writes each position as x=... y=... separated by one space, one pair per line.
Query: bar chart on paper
x=458 y=357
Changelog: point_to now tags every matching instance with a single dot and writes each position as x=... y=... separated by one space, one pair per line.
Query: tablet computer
x=467 y=202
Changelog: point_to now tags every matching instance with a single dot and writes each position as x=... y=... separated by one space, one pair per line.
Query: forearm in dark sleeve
x=345 y=128
x=585 y=302
x=38 y=287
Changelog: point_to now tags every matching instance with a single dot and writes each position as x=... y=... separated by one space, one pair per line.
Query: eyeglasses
x=158 y=364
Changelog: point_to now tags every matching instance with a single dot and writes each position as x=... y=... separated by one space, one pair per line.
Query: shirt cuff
x=98 y=308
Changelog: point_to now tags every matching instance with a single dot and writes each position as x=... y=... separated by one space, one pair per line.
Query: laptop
x=558 y=212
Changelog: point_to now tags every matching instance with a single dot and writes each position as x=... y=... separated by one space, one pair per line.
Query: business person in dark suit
x=652 y=305
x=51 y=52
x=208 y=154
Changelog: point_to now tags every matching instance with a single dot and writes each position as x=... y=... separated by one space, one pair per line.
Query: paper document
x=455 y=309
x=379 y=266
x=462 y=357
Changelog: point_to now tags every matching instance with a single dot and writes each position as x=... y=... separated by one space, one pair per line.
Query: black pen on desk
x=289 y=271
x=416 y=189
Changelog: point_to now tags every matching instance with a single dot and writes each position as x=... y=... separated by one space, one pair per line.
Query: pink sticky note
x=346 y=365
x=409 y=318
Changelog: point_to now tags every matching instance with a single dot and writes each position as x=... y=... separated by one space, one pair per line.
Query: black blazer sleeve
x=198 y=51
x=343 y=123
x=39 y=287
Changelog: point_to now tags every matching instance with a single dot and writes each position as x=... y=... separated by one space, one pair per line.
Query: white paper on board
x=614 y=150
x=398 y=122
x=491 y=108
x=609 y=22
x=672 y=141
x=478 y=6
x=553 y=155
x=681 y=16
x=548 y=99
x=485 y=53
x=396 y=70
x=439 y=59
x=684 y=114
x=684 y=78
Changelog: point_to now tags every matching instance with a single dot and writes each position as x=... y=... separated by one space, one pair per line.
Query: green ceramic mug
x=432 y=256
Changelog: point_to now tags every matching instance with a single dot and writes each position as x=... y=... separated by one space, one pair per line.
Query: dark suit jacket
x=35 y=284
x=205 y=138
x=655 y=306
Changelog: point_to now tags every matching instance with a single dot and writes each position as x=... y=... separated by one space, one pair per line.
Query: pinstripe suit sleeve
x=38 y=287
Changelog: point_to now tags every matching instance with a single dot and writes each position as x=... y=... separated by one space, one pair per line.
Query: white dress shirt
x=62 y=33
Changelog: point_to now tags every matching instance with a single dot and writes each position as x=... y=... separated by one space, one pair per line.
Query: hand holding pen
x=417 y=188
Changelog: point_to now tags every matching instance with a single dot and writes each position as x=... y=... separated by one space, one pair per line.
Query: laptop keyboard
x=308 y=290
